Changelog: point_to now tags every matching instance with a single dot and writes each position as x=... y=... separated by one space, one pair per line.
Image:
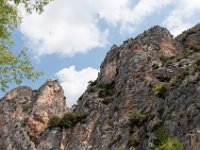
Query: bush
x=160 y=90
x=164 y=59
x=67 y=121
x=70 y=119
x=170 y=144
x=92 y=83
x=92 y=89
x=24 y=123
x=26 y=107
x=180 y=79
x=54 y=121
x=107 y=100
x=134 y=141
x=155 y=66
x=137 y=118
x=104 y=93
x=161 y=135
x=195 y=48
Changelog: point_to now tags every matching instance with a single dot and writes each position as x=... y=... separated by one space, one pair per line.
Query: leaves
x=14 y=68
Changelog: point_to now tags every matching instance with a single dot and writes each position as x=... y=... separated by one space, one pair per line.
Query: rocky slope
x=24 y=115
x=147 y=96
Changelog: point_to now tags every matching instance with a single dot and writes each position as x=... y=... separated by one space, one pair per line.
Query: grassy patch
x=137 y=118
x=170 y=144
x=160 y=90
x=161 y=135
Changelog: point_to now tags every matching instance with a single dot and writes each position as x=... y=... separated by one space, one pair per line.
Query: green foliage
x=107 y=100
x=180 y=78
x=164 y=59
x=93 y=83
x=133 y=141
x=26 y=107
x=195 y=48
x=92 y=89
x=161 y=135
x=160 y=90
x=121 y=148
x=15 y=67
x=106 y=90
x=67 y=121
x=54 y=121
x=70 y=119
x=163 y=141
x=170 y=144
x=24 y=122
x=155 y=66
x=137 y=118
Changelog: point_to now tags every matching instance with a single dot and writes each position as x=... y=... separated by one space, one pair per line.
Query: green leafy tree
x=15 y=67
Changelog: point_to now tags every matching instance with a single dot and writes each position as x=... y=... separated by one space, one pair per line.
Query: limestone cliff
x=24 y=115
x=146 y=96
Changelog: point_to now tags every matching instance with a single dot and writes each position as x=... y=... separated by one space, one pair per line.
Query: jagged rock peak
x=189 y=37
x=21 y=92
x=155 y=33
x=24 y=114
x=152 y=43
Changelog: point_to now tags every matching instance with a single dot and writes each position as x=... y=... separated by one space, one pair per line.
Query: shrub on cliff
x=160 y=90
x=137 y=118
x=67 y=121
x=54 y=121
x=163 y=141
x=70 y=119
x=170 y=144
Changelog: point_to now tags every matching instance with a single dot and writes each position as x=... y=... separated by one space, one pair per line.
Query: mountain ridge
x=145 y=96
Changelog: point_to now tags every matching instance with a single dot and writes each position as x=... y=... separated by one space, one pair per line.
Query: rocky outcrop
x=126 y=85
x=24 y=114
x=146 y=94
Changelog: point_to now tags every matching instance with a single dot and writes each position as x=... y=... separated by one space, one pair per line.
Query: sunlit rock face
x=25 y=114
x=148 y=87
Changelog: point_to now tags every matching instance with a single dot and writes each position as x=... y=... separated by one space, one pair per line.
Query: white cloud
x=185 y=15
x=68 y=27
x=65 y=27
x=75 y=82
x=143 y=9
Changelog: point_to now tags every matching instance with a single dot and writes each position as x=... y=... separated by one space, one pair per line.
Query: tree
x=15 y=67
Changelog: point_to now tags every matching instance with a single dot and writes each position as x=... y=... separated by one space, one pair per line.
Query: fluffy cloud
x=75 y=82
x=184 y=15
x=65 y=27
x=68 y=27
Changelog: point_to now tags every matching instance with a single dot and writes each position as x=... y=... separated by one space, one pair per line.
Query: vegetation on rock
x=54 y=121
x=160 y=90
x=163 y=141
x=68 y=120
x=170 y=144
x=137 y=118
x=13 y=67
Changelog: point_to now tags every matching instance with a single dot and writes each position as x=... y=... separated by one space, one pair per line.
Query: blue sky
x=71 y=38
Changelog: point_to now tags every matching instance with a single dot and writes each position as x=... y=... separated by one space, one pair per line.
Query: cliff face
x=147 y=93
x=24 y=115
